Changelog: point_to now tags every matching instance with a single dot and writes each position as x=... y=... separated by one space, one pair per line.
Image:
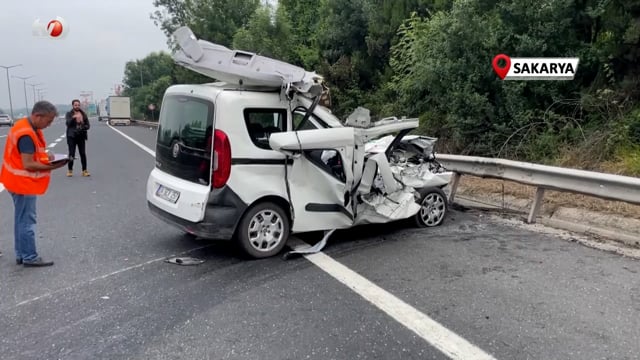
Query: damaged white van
x=254 y=157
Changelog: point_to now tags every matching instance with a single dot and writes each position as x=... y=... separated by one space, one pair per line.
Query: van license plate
x=167 y=194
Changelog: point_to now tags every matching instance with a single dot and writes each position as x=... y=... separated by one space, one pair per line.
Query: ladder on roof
x=242 y=68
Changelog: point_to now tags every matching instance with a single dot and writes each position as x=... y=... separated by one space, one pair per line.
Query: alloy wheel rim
x=433 y=209
x=266 y=230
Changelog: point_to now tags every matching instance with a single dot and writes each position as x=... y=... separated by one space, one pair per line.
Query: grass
x=626 y=162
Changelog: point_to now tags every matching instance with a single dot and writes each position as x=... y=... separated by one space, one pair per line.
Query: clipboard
x=58 y=158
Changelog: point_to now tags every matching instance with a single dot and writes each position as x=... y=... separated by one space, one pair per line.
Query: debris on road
x=186 y=261
x=309 y=249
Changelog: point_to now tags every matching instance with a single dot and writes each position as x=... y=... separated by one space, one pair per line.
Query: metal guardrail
x=597 y=184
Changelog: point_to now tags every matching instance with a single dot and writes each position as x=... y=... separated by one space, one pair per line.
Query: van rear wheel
x=263 y=230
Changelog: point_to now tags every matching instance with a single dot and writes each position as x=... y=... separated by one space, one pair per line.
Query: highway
x=478 y=286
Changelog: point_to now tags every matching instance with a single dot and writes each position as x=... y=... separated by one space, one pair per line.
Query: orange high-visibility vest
x=13 y=175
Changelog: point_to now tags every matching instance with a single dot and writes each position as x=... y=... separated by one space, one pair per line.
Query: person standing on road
x=77 y=126
x=25 y=173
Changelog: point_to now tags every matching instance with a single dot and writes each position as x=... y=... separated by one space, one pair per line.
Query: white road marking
x=149 y=151
x=82 y=283
x=56 y=142
x=443 y=339
x=2 y=136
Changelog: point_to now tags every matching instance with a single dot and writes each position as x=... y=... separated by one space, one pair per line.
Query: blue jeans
x=25 y=227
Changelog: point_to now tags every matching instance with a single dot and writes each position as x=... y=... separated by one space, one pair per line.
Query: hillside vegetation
x=432 y=59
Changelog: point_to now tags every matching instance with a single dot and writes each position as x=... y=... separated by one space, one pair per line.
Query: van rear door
x=181 y=180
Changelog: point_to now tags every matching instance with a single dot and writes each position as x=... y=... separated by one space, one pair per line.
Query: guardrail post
x=535 y=207
x=454 y=186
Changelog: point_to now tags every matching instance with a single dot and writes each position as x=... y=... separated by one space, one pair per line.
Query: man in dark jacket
x=77 y=126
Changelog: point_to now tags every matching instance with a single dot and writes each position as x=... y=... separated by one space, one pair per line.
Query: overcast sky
x=103 y=35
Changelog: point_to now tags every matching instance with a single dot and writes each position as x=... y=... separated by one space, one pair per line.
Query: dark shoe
x=18 y=261
x=37 y=263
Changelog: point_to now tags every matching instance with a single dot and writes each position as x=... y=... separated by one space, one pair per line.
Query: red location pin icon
x=501 y=71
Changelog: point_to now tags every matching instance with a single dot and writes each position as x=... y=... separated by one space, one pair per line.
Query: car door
x=320 y=179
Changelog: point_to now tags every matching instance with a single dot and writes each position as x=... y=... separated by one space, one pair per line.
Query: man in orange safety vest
x=26 y=172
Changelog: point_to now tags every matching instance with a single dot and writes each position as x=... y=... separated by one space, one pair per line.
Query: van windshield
x=183 y=146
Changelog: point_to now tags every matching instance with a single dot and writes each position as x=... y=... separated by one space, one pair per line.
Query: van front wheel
x=263 y=230
x=433 y=202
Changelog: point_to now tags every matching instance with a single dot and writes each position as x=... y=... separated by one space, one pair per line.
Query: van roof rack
x=242 y=68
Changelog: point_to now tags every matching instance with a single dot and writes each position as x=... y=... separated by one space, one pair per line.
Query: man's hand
x=78 y=117
x=58 y=164
x=30 y=164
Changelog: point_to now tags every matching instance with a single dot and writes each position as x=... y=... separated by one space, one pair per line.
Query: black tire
x=434 y=207
x=263 y=245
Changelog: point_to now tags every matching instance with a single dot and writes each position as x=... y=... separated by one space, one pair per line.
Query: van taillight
x=221 y=159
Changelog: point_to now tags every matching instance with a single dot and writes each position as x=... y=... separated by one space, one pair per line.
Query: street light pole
x=9 y=86
x=33 y=86
x=24 y=82
x=39 y=93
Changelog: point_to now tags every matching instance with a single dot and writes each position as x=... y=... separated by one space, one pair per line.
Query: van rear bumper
x=222 y=214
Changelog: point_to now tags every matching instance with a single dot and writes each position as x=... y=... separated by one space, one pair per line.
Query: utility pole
x=33 y=86
x=24 y=82
x=40 y=94
x=87 y=97
x=9 y=85
x=140 y=68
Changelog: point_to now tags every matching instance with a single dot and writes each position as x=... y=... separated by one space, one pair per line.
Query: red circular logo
x=54 y=27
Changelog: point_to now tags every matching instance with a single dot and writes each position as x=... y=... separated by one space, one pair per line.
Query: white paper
x=59 y=157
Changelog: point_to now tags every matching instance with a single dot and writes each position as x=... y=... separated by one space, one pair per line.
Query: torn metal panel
x=419 y=175
x=389 y=183
x=296 y=141
x=378 y=208
x=359 y=118
x=310 y=249
x=241 y=68
x=379 y=145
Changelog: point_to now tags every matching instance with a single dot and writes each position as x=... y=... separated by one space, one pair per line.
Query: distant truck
x=118 y=110
x=102 y=110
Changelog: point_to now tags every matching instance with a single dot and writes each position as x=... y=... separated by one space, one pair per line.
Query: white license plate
x=168 y=194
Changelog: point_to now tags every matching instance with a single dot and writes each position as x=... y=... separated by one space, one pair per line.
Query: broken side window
x=329 y=161
x=313 y=122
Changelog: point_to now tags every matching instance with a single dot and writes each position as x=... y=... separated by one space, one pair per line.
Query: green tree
x=146 y=80
x=214 y=20
x=304 y=17
x=268 y=33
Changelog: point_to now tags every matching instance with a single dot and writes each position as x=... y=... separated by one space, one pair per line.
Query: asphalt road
x=473 y=284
